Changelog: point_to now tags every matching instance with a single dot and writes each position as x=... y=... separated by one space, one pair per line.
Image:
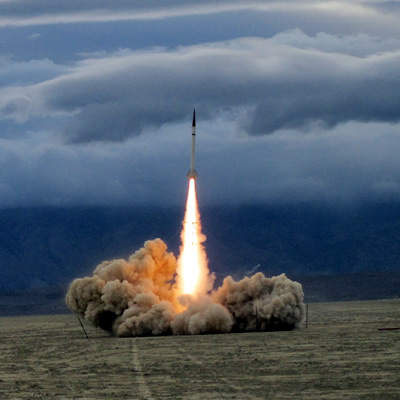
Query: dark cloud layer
x=297 y=101
x=279 y=85
x=358 y=13
x=353 y=163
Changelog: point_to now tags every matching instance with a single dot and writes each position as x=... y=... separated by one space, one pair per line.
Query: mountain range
x=49 y=247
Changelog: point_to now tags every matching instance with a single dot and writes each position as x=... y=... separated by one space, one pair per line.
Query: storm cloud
x=353 y=162
x=273 y=86
x=299 y=101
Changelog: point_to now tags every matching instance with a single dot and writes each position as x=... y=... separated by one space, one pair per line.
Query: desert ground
x=342 y=354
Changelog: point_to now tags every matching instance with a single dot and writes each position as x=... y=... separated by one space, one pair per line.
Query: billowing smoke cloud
x=140 y=297
x=260 y=303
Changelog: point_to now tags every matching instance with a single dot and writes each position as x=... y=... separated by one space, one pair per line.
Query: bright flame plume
x=193 y=274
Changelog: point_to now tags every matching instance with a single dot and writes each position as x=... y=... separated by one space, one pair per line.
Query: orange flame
x=193 y=273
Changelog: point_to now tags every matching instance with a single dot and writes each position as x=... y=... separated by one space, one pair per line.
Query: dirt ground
x=341 y=355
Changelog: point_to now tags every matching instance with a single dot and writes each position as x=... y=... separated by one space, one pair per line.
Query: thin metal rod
x=77 y=316
x=307 y=315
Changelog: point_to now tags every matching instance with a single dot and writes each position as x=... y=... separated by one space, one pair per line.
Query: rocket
x=192 y=172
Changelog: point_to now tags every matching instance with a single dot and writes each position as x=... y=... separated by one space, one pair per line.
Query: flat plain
x=342 y=354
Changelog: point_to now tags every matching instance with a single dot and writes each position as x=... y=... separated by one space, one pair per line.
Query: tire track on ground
x=142 y=387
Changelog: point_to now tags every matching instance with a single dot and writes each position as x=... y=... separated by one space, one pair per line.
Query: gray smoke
x=259 y=303
x=140 y=297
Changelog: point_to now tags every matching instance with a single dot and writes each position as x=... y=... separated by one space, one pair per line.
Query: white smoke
x=140 y=297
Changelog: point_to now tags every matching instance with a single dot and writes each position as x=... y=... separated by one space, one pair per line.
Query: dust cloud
x=140 y=297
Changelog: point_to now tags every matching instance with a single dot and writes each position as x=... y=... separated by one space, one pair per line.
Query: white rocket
x=192 y=172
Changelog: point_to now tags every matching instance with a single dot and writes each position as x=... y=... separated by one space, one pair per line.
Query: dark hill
x=50 y=247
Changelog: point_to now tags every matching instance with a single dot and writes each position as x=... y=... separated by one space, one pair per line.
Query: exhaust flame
x=193 y=271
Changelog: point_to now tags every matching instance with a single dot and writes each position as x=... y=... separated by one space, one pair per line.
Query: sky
x=296 y=101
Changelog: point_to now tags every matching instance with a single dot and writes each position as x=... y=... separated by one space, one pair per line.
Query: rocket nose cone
x=194 y=118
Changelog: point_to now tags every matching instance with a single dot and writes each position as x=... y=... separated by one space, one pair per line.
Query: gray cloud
x=281 y=86
x=354 y=162
x=357 y=14
x=359 y=44
x=42 y=12
x=306 y=110
x=22 y=73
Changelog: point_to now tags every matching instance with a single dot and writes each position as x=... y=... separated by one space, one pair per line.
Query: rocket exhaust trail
x=193 y=274
x=193 y=260
x=192 y=173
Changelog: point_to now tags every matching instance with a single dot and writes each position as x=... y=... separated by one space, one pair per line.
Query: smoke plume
x=140 y=297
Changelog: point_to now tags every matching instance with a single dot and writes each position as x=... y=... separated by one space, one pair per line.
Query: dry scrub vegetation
x=341 y=355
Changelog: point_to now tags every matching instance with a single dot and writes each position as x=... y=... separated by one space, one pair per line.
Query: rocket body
x=192 y=171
